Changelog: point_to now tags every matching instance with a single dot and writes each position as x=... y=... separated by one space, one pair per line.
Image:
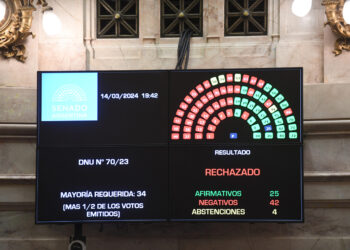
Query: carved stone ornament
x=15 y=27
x=334 y=13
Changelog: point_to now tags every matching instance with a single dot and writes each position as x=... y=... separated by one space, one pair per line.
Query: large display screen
x=195 y=145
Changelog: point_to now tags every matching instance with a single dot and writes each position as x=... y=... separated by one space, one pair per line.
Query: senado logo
x=69 y=92
x=69 y=96
x=69 y=102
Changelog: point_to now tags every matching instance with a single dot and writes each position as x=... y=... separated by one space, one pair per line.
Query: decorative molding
x=17 y=179
x=311 y=127
x=327 y=127
x=17 y=206
x=318 y=176
x=18 y=131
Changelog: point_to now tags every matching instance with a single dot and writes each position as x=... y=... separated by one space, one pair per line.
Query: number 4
x=274 y=211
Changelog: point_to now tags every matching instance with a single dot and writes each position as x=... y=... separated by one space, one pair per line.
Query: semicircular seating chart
x=234 y=96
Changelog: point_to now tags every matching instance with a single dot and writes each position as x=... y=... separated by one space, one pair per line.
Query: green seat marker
x=267 y=87
x=257 y=94
x=251 y=105
x=274 y=92
x=244 y=90
x=279 y=98
x=292 y=127
x=262 y=115
x=266 y=121
x=268 y=135
x=238 y=113
x=291 y=119
x=293 y=135
x=237 y=101
x=280 y=128
x=257 y=109
x=257 y=135
x=263 y=99
x=281 y=135
x=244 y=102
x=276 y=115
x=256 y=127
x=279 y=121
x=251 y=120
x=284 y=105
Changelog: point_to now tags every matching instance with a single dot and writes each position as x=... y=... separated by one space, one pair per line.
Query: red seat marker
x=229 y=78
x=188 y=122
x=210 y=110
x=175 y=136
x=210 y=95
x=201 y=121
x=195 y=110
x=229 y=101
x=251 y=92
x=223 y=90
x=215 y=120
x=205 y=115
x=198 y=136
x=199 y=104
x=175 y=128
x=229 y=112
x=216 y=105
x=183 y=106
x=206 y=84
x=288 y=111
x=180 y=113
x=186 y=136
x=216 y=92
x=222 y=115
x=193 y=93
x=222 y=102
x=177 y=120
x=199 y=129
x=237 y=89
x=268 y=103
x=253 y=80
x=210 y=136
x=191 y=116
x=211 y=127
x=200 y=88
x=245 y=78
x=188 y=99
x=261 y=84
x=245 y=115
x=204 y=99
x=187 y=129
x=230 y=89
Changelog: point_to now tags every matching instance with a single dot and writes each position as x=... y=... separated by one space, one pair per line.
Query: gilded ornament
x=334 y=13
x=15 y=27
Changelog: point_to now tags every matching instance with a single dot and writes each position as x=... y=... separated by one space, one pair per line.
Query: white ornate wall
x=290 y=42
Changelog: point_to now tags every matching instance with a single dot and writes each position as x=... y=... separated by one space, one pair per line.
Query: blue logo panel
x=69 y=96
